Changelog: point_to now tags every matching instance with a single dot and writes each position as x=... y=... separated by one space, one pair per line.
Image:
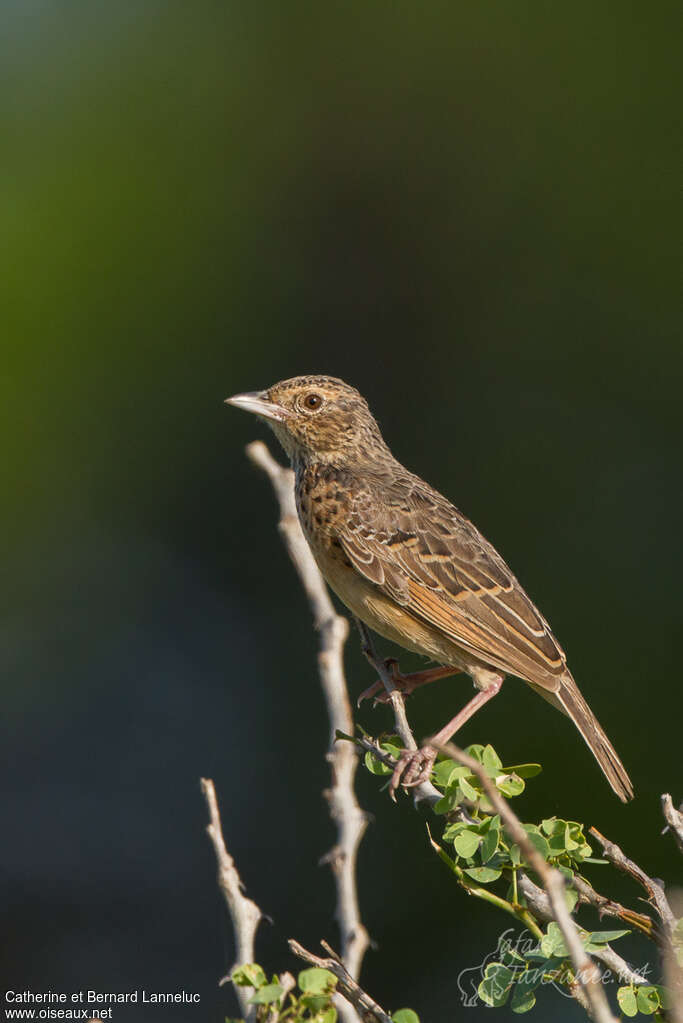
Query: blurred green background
x=471 y=212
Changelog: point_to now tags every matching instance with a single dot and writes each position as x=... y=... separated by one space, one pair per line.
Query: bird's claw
x=412 y=768
x=377 y=689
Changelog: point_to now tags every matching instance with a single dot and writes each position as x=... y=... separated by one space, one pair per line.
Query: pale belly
x=388 y=619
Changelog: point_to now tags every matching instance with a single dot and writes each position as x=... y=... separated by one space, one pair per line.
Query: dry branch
x=244 y=913
x=609 y=907
x=366 y=1008
x=655 y=892
x=539 y=904
x=341 y=756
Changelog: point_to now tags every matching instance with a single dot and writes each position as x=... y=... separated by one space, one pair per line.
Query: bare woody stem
x=655 y=892
x=366 y=1008
x=587 y=973
x=539 y=904
x=425 y=791
x=244 y=914
x=341 y=756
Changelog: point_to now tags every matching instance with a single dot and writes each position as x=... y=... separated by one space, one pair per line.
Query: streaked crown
x=318 y=418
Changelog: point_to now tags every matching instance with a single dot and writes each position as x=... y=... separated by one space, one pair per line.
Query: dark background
x=472 y=213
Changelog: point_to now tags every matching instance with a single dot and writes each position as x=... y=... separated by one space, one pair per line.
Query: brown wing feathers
x=431 y=559
x=441 y=569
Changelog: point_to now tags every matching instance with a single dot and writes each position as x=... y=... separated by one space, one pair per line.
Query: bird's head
x=318 y=418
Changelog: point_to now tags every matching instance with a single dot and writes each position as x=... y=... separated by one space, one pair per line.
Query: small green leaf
x=483 y=875
x=524 y=770
x=665 y=996
x=626 y=997
x=510 y=784
x=552 y=942
x=523 y=997
x=249 y=975
x=491 y=760
x=570 y=842
x=448 y=802
x=405 y=1016
x=571 y=897
x=447 y=772
x=441 y=772
x=468 y=791
x=647 y=999
x=602 y=937
x=537 y=840
x=317 y=981
x=267 y=994
x=315 y=1003
x=329 y=1015
x=466 y=844
x=491 y=839
x=495 y=987
x=376 y=766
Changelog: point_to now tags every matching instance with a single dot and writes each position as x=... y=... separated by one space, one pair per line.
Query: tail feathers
x=569 y=699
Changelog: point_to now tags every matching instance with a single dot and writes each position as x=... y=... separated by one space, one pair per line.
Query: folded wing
x=419 y=549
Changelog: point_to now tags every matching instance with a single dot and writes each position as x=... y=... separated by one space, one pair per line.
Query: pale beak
x=258 y=403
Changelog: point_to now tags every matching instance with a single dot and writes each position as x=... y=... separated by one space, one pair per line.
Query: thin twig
x=425 y=791
x=590 y=897
x=341 y=756
x=587 y=973
x=539 y=904
x=609 y=907
x=674 y=819
x=655 y=892
x=244 y=913
x=367 y=1009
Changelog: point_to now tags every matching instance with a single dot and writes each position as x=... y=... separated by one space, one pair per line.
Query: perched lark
x=410 y=566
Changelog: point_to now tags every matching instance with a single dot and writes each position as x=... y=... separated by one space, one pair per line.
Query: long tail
x=569 y=700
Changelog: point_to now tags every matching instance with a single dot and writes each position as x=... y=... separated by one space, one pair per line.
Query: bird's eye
x=312 y=402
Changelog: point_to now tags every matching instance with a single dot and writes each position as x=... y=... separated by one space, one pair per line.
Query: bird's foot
x=412 y=768
x=406 y=684
x=377 y=688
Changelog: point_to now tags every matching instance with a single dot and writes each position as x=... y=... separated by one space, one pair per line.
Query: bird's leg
x=370 y=653
x=366 y=643
x=415 y=766
x=406 y=683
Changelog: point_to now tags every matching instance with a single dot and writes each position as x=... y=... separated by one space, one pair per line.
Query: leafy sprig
x=312 y=1003
x=486 y=862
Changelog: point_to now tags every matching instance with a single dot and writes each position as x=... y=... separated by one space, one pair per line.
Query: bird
x=412 y=568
